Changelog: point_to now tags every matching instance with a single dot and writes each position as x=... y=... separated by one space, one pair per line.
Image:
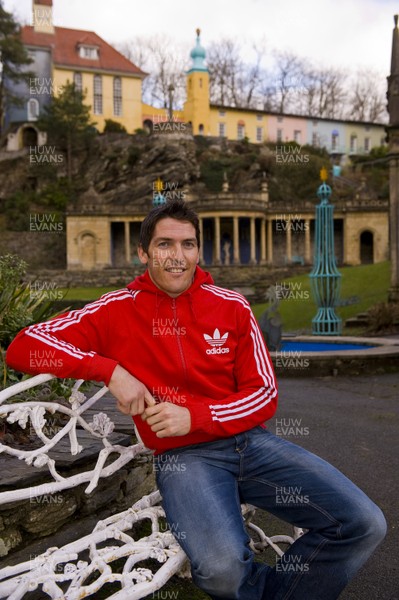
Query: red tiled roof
x=64 y=44
x=44 y=2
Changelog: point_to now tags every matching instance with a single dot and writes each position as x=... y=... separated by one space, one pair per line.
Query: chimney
x=42 y=16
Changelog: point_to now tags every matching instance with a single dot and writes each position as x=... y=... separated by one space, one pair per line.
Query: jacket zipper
x=179 y=344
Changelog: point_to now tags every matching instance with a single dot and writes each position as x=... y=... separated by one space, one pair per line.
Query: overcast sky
x=341 y=33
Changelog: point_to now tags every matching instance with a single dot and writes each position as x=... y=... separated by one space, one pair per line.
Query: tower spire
x=198 y=55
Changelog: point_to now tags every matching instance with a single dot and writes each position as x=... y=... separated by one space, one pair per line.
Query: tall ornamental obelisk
x=393 y=155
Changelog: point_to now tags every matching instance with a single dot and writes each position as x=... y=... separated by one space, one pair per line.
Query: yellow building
x=111 y=83
x=341 y=138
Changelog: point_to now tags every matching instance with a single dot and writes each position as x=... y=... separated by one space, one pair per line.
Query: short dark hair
x=172 y=209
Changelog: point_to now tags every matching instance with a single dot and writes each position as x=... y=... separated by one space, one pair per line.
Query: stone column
x=269 y=241
x=308 y=258
x=345 y=241
x=216 y=257
x=127 y=243
x=236 y=241
x=263 y=242
x=201 y=250
x=252 y=260
x=393 y=292
x=288 y=245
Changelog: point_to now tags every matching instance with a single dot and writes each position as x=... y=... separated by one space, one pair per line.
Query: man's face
x=172 y=256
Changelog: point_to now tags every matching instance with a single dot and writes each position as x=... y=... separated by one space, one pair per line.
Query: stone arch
x=87 y=242
x=366 y=247
x=148 y=125
x=29 y=136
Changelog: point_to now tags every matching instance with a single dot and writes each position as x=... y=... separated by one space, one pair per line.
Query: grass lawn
x=361 y=287
x=89 y=294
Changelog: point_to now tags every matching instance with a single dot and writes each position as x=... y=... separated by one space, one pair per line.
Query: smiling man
x=187 y=360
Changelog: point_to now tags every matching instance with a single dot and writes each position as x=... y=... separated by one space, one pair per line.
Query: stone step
x=360 y=320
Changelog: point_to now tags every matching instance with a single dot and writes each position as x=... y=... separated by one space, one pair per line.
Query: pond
x=293 y=346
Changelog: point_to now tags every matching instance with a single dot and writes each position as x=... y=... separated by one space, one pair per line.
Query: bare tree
x=233 y=81
x=166 y=63
x=288 y=79
x=323 y=92
x=224 y=65
x=366 y=100
x=292 y=84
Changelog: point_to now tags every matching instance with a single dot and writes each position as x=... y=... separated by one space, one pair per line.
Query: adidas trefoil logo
x=216 y=342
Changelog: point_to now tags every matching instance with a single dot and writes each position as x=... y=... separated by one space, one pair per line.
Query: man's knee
x=224 y=575
x=368 y=523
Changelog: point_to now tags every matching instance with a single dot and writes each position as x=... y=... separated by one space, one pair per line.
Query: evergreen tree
x=67 y=122
x=13 y=61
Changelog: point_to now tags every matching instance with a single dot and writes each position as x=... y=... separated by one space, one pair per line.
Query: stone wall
x=24 y=522
x=37 y=248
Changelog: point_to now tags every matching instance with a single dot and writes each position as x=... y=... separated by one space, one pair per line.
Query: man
x=187 y=360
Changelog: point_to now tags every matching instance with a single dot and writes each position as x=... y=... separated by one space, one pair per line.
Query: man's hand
x=167 y=419
x=132 y=396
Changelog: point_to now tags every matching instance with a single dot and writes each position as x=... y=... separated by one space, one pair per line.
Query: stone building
x=236 y=229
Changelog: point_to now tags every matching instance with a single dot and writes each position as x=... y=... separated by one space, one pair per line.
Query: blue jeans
x=203 y=485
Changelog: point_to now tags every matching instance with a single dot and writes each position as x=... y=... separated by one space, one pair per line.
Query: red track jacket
x=202 y=350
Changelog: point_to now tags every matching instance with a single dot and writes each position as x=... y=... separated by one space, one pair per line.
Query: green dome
x=198 y=55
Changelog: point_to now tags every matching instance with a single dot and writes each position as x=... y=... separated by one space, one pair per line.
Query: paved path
x=354 y=424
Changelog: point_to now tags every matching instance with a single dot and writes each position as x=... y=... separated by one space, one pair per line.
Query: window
x=200 y=82
x=259 y=117
x=240 y=131
x=222 y=113
x=259 y=134
x=98 y=95
x=280 y=119
x=279 y=135
x=353 y=143
x=297 y=136
x=334 y=140
x=117 y=96
x=367 y=144
x=33 y=109
x=222 y=129
x=315 y=139
x=90 y=52
x=77 y=80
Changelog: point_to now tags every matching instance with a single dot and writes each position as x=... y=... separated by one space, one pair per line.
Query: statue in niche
x=270 y=321
x=226 y=250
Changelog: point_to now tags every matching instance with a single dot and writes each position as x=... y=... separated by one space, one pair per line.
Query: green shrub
x=114 y=127
x=133 y=156
x=18 y=307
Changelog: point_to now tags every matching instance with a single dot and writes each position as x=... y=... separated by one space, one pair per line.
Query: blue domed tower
x=196 y=107
x=198 y=55
x=158 y=198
